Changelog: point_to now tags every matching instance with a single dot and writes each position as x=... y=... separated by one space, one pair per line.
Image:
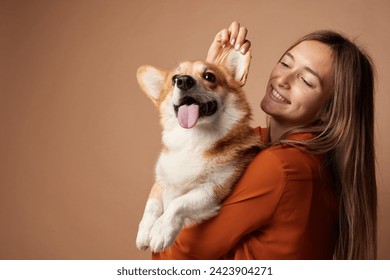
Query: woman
x=311 y=194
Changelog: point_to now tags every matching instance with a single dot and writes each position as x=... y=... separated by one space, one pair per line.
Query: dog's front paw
x=153 y=210
x=143 y=234
x=164 y=233
x=142 y=240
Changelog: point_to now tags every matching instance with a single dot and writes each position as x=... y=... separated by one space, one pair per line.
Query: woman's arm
x=249 y=207
x=234 y=36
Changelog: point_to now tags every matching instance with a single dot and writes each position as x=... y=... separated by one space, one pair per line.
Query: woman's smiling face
x=300 y=84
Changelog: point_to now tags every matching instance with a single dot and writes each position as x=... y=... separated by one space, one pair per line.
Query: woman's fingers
x=238 y=36
x=223 y=37
x=241 y=38
x=233 y=32
x=234 y=36
x=245 y=47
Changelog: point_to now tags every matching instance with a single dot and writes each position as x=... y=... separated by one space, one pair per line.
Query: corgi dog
x=207 y=143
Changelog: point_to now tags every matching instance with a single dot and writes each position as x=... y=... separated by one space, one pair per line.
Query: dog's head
x=197 y=92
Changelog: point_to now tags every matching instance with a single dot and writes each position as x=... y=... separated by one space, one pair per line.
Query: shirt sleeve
x=248 y=208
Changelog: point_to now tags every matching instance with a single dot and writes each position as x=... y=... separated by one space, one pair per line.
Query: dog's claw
x=141 y=242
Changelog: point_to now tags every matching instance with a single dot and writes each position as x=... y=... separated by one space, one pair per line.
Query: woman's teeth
x=279 y=97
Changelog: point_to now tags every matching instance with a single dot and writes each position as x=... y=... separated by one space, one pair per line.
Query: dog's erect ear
x=237 y=64
x=151 y=80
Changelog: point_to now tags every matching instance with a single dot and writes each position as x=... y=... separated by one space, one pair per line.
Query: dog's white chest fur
x=180 y=168
x=185 y=165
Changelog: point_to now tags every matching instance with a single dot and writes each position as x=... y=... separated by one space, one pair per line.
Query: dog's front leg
x=153 y=210
x=196 y=205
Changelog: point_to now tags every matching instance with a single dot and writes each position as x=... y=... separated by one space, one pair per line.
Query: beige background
x=79 y=140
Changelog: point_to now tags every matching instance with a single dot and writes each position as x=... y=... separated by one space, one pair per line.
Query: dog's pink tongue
x=188 y=115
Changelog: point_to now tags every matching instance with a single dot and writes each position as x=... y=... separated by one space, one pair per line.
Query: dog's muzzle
x=189 y=110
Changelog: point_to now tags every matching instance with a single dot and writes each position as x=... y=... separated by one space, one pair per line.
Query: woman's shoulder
x=290 y=160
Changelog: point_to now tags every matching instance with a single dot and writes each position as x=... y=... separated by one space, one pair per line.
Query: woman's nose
x=284 y=81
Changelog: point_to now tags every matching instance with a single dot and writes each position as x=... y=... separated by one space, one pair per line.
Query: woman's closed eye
x=284 y=64
x=307 y=83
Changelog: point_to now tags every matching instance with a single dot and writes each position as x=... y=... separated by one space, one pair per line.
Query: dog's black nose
x=185 y=82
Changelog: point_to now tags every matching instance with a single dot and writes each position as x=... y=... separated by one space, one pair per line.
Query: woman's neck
x=277 y=129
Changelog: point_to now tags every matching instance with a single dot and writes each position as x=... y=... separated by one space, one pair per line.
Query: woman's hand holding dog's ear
x=234 y=36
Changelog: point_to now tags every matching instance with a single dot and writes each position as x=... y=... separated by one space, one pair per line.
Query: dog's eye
x=174 y=79
x=209 y=77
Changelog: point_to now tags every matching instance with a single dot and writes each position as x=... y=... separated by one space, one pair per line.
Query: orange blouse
x=283 y=207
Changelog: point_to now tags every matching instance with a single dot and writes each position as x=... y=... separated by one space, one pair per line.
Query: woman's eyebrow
x=308 y=69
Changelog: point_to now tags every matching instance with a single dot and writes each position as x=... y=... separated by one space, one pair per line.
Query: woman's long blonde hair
x=345 y=133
